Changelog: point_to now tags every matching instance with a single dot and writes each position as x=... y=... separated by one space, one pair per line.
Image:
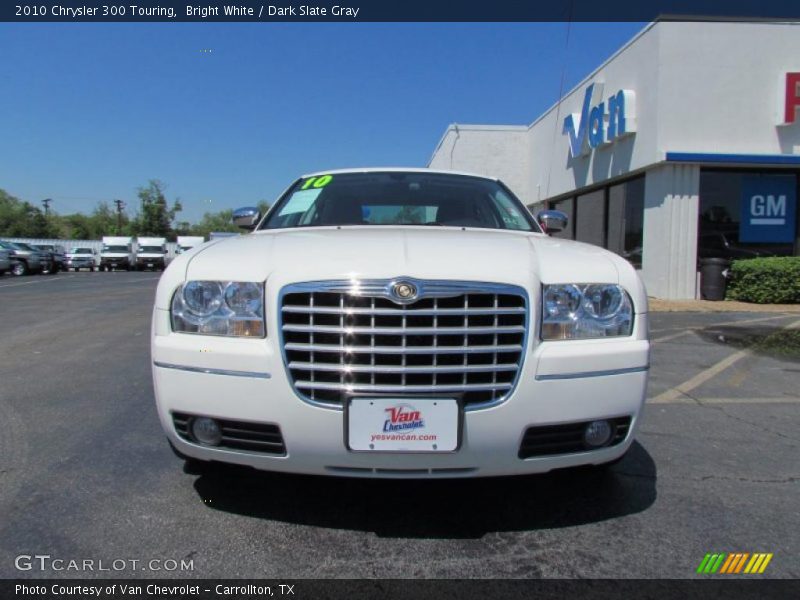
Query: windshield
x=399 y=198
x=151 y=249
x=45 y=247
x=22 y=246
x=115 y=249
x=80 y=251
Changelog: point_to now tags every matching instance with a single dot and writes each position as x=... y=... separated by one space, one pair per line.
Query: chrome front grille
x=457 y=338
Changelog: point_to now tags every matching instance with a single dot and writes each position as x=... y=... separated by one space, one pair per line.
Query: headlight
x=580 y=311
x=230 y=308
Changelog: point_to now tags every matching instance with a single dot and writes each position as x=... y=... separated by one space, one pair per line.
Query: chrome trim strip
x=403 y=350
x=420 y=312
x=208 y=371
x=338 y=368
x=592 y=373
x=405 y=330
x=400 y=388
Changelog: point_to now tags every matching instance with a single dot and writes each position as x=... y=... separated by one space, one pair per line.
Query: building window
x=626 y=219
x=567 y=206
x=590 y=222
x=611 y=217
x=746 y=214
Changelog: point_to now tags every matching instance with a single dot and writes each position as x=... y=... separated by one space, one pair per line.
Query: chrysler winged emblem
x=404 y=291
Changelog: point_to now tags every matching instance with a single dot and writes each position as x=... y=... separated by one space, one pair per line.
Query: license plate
x=149 y=265
x=402 y=424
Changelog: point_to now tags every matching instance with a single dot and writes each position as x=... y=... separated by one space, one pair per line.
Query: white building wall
x=700 y=87
x=672 y=193
x=495 y=151
x=722 y=87
x=634 y=67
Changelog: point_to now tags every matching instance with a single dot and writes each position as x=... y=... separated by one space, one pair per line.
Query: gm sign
x=598 y=125
x=769 y=204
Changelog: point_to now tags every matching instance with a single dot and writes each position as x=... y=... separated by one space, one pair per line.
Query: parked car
x=5 y=261
x=407 y=323
x=24 y=259
x=187 y=242
x=725 y=244
x=81 y=258
x=46 y=258
x=57 y=254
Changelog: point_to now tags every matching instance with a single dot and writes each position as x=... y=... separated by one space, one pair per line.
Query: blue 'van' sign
x=769 y=204
x=596 y=126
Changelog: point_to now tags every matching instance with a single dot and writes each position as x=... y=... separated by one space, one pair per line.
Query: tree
x=22 y=219
x=155 y=217
x=219 y=221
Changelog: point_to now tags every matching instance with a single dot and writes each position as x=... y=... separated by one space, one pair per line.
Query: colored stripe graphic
x=739 y=566
x=703 y=563
x=711 y=563
x=727 y=564
x=734 y=563
x=765 y=563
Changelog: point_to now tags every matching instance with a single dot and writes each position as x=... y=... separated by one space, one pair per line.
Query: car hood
x=289 y=256
x=424 y=252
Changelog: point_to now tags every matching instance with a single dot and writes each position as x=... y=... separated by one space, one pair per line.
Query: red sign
x=792 y=97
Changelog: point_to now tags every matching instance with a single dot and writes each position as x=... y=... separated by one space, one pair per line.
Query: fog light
x=206 y=431
x=598 y=433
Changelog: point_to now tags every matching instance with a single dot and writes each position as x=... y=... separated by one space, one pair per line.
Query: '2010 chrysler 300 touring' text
x=400 y=323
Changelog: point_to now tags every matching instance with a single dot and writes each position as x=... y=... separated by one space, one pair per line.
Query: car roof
x=397 y=170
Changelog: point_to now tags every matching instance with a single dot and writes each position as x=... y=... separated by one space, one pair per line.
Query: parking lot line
x=38 y=281
x=686 y=330
x=680 y=393
x=775 y=400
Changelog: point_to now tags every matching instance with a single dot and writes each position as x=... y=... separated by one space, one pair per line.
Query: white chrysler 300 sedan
x=400 y=323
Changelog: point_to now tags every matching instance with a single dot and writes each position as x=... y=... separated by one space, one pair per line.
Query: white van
x=151 y=253
x=117 y=253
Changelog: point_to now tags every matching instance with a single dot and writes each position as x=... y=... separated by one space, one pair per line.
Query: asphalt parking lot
x=85 y=472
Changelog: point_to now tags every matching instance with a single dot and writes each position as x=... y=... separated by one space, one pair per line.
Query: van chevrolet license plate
x=402 y=424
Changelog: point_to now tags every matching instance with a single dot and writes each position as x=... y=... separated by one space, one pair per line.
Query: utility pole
x=46 y=203
x=120 y=205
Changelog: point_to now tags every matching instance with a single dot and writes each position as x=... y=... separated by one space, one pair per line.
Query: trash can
x=713 y=278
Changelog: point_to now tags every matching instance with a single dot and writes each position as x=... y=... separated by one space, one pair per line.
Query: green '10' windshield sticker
x=317 y=182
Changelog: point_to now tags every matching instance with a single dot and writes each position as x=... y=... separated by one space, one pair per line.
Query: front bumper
x=79 y=263
x=560 y=382
x=148 y=262
x=114 y=262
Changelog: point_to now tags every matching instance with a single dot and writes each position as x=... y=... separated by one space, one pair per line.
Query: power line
x=120 y=205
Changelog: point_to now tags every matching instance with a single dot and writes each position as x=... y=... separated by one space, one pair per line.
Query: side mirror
x=552 y=221
x=247 y=217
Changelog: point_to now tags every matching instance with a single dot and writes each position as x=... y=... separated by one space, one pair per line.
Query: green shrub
x=765 y=280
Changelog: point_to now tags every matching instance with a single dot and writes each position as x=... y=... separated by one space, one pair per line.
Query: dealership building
x=685 y=144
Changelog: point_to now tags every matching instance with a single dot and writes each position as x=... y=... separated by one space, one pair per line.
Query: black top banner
x=396 y=11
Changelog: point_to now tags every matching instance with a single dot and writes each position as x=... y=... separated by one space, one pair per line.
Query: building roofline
x=471 y=127
x=594 y=72
x=646 y=29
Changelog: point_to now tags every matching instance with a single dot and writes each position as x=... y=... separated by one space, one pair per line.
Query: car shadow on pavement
x=453 y=508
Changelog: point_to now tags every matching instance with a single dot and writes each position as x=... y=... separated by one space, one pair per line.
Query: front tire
x=19 y=269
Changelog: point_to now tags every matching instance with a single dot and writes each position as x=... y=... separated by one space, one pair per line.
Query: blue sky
x=90 y=112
